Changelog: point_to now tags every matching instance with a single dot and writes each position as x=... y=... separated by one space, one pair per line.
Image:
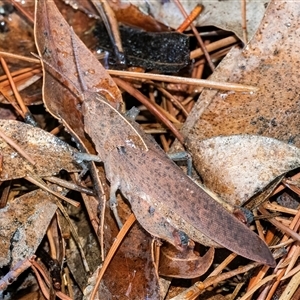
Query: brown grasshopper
x=165 y=201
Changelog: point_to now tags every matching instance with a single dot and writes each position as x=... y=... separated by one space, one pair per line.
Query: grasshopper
x=165 y=201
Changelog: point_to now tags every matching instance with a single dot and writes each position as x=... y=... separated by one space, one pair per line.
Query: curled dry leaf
x=49 y=152
x=239 y=166
x=183 y=264
x=23 y=223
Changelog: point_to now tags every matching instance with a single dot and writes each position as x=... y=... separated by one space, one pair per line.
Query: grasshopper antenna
x=80 y=72
x=75 y=53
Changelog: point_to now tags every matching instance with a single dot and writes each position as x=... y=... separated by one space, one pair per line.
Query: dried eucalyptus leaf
x=49 y=152
x=237 y=167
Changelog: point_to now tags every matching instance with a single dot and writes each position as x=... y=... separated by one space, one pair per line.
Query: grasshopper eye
x=121 y=150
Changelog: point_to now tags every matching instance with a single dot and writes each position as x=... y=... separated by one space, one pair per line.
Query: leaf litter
x=129 y=290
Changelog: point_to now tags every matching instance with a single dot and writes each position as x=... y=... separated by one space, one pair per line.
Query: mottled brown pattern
x=162 y=197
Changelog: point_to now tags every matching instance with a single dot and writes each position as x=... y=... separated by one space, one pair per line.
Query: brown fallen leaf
x=183 y=264
x=58 y=52
x=137 y=278
x=62 y=103
x=239 y=166
x=23 y=224
x=49 y=152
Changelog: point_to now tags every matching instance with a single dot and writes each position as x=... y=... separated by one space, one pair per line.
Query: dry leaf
x=23 y=223
x=224 y=14
x=165 y=52
x=271 y=62
x=50 y=154
x=183 y=264
x=58 y=51
x=272 y=111
x=239 y=166
x=131 y=273
x=130 y=14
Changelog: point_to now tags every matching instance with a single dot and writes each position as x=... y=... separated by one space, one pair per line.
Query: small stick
x=292 y=187
x=18 y=148
x=279 y=208
x=279 y=225
x=258 y=226
x=260 y=275
x=176 y=79
x=16 y=271
x=214 y=46
x=236 y=291
x=12 y=103
x=74 y=233
x=13 y=86
x=37 y=270
x=191 y=17
x=17 y=75
x=68 y=282
x=57 y=130
x=196 y=33
x=112 y=27
x=45 y=188
x=223 y=265
x=53 y=252
x=69 y=185
x=172 y=99
x=244 y=20
x=291 y=273
x=271 y=289
x=199 y=287
x=283 y=244
x=258 y=285
x=20 y=57
x=282 y=187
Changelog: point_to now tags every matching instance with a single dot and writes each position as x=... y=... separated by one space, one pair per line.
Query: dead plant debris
x=91 y=207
